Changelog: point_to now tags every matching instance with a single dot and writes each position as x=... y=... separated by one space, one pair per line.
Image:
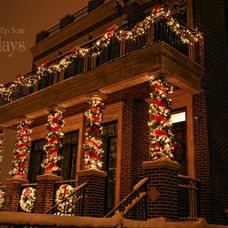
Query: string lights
x=22 y=148
x=2 y=140
x=93 y=151
x=159 y=12
x=54 y=141
x=161 y=137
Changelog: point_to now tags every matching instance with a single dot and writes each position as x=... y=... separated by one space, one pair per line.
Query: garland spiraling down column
x=93 y=151
x=22 y=148
x=2 y=140
x=54 y=141
x=161 y=137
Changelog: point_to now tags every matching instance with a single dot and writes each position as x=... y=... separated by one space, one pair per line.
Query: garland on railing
x=27 y=199
x=159 y=12
x=22 y=148
x=161 y=137
x=2 y=140
x=62 y=193
x=54 y=141
x=93 y=151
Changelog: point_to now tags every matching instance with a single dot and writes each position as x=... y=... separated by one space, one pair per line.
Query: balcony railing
x=160 y=31
x=189 y=200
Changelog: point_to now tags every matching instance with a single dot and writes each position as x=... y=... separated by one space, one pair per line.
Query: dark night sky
x=20 y=21
x=30 y=17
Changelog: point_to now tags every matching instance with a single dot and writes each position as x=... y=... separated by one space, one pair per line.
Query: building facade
x=95 y=79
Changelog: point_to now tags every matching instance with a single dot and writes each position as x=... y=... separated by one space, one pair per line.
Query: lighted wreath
x=62 y=193
x=28 y=198
x=2 y=198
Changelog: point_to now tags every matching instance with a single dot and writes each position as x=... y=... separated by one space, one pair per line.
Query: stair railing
x=70 y=205
x=138 y=193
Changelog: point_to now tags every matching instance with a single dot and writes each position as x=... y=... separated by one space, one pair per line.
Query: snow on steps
x=117 y=221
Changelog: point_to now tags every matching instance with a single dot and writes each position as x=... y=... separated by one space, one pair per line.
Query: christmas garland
x=2 y=140
x=161 y=137
x=28 y=198
x=22 y=148
x=2 y=198
x=62 y=193
x=54 y=141
x=93 y=151
x=158 y=13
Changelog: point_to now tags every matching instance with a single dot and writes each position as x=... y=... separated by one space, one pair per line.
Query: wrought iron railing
x=138 y=193
x=72 y=205
x=188 y=198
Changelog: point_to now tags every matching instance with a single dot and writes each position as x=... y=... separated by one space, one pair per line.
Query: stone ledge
x=163 y=162
x=91 y=172
x=17 y=180
x=49 y=177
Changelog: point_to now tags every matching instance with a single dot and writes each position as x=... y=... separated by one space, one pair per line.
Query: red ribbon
x=24 y=135
x=18 y=173
x=22 y=155
x=53 y=140
x=160 y=103
x=57 y=117
x=159 y=118
x=160 y=132
x=94 y=143
x=56 y=128
x=96 y=118
x=52 y=151
x=159 y=87
x=21 y=145
x=50 y=166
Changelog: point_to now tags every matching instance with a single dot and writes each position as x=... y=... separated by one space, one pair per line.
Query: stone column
x=162 y=187
x=95 y=191
x=45 y=192
x=12 y=195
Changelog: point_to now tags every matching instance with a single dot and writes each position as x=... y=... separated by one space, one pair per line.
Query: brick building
x=86 y=58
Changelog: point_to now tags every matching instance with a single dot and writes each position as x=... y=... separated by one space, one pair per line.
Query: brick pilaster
x=45 y=192
x=12 y=196
x=95 y=191
x=162 y=188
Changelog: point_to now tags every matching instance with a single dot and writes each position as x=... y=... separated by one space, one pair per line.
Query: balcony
x=120 y=66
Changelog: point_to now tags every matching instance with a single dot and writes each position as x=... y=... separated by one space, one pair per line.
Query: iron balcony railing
x=116 y=49
x=188 y=197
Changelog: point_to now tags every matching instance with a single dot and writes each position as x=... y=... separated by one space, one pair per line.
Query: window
x=179 y=130
x=36 y=157
x=68 y=152
x=110 y=148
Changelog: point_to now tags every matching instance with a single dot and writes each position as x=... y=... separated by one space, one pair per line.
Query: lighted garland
x=62 y=193
x=22 y=148
x=93 y=151
x=54 y=141
x=2 y=198
x=27 y=199
x=2 y=140
x=158 y=13
x=161 y=137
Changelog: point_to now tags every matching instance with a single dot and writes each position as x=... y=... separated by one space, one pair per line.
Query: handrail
x=76 y=190
x=135 y=188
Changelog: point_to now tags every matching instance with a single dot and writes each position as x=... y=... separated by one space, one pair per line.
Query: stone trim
x=91 y=172
x=161 y=163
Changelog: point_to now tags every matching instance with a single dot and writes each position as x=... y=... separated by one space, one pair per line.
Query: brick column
x=45 y=192
x=95 y=191
x=12 y=196
x=162 y=187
